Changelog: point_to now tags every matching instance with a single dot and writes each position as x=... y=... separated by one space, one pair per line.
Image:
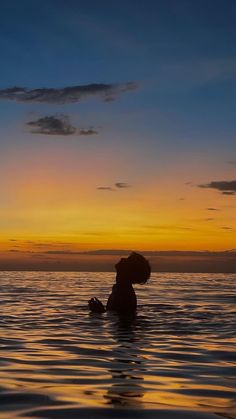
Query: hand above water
x=96 y=306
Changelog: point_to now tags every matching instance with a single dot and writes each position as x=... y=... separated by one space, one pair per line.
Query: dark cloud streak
x=121 y=185
x=212 y=209
x=105 y=188
x=118 y=185
x=226 y=187
x=90 y=131
x=71 y=94
x=52 y=125
x=228 y=193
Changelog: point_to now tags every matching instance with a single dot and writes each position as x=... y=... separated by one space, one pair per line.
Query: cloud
x=226 y=187
x=51 y=244
x=105 y=188
x=209 y=219
x=14 y=251
x=125 y=252
x=61 y=252
x=57 y=125
x=122 y=185
x=70 y=94
x=90 y=131
x=167 y=227
x=228 y=193
x=233 y=162
x=212 y=209
x=52 y=125
x=119 y=252
x=118 y=185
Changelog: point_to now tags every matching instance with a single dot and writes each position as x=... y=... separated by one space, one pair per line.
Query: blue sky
x=181 y=52
x=177 y=126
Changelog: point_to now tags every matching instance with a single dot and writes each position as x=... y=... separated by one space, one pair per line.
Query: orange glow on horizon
x=48 y=205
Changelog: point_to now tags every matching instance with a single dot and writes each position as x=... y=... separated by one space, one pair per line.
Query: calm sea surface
x=176 y=358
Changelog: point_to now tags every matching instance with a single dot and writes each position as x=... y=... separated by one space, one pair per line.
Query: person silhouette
x=134 y=269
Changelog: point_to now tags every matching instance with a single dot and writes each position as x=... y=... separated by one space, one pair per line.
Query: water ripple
x=174 y=359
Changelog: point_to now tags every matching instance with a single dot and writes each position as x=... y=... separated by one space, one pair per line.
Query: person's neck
x=121 y=280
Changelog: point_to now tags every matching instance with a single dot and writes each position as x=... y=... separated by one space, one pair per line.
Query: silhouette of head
x=134 y=268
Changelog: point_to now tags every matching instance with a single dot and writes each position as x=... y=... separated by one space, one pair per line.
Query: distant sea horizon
x=68 y=260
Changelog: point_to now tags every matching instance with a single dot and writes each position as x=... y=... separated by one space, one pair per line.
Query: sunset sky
x=129 y=140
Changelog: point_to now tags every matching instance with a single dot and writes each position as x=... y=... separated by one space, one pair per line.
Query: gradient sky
x=157 y=167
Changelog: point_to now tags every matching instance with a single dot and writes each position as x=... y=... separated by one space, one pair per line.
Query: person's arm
x=110 y=302
x=96 y=306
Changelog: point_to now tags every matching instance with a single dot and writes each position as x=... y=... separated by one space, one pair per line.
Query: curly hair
x=139 y=268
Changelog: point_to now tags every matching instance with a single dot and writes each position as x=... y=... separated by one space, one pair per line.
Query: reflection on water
x=59 y=360
x=127 y=367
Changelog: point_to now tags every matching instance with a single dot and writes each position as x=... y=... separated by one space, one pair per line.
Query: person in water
x=134 y=269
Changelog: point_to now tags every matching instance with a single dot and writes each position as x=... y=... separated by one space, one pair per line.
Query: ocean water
x=175 y=359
